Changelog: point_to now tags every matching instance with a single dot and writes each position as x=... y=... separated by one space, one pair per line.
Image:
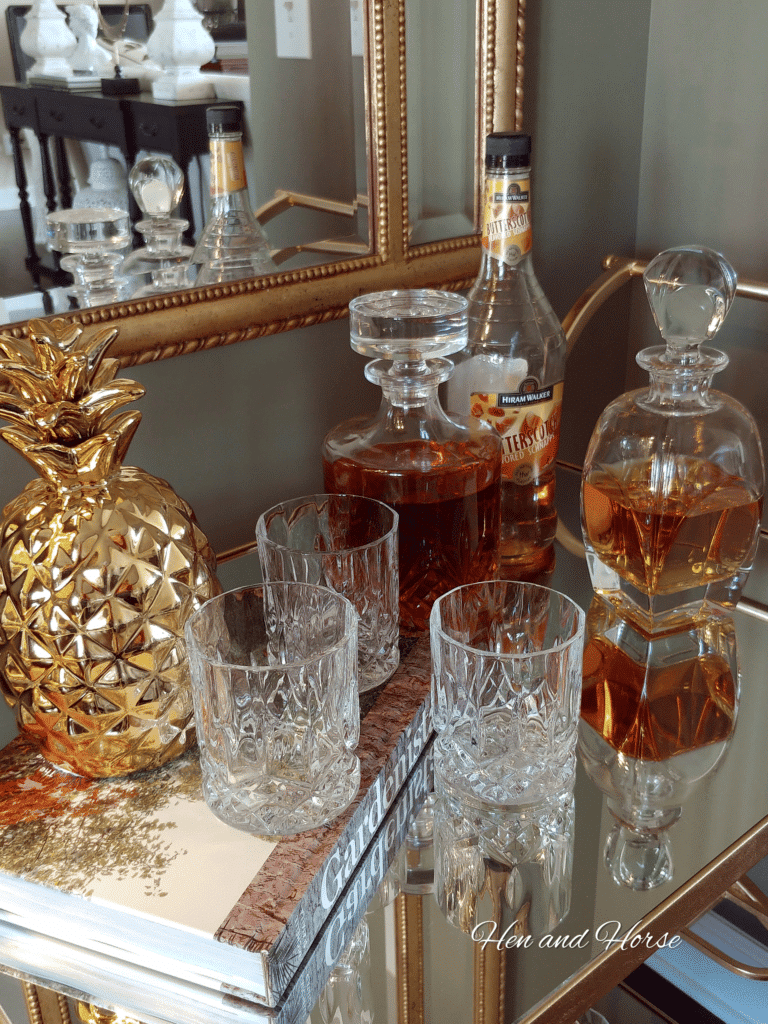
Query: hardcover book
x=140 y=871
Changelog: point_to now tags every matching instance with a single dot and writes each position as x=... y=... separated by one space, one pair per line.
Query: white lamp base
x=178 y=85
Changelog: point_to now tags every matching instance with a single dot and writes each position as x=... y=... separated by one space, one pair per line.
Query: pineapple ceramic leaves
x=100 y=565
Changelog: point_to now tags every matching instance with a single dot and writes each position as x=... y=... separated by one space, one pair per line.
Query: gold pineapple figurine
x=100 y=565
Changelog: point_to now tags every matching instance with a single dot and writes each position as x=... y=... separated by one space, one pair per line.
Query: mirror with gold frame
x=180 y=322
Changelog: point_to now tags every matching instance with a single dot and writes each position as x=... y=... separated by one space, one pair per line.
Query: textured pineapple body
x=96 y=584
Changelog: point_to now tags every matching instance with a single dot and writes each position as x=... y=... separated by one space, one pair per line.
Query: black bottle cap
x=224 y=117
x=507 y=149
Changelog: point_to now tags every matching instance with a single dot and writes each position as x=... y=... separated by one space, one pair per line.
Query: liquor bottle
x=232 y=244
x=511 y=374
x=441 y=475
x=673 y=479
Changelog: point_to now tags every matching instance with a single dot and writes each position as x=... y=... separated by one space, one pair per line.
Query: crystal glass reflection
x=345 y=998
x=94 y=240
x=501 y=870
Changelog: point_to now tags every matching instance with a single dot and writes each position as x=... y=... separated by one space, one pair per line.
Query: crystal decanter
x=162 y=263
x=440 y=474
x=673 y=479
x=672 y=497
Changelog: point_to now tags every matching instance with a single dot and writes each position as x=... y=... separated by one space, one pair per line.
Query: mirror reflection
x=305 y=144
x=440 y=71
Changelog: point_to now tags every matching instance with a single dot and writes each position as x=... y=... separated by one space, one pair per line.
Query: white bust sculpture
x=88 y=54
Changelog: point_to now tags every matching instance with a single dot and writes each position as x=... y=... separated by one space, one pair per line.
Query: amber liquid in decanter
x=449 y=518
x=700 y=531
x=673 y=478
x=441 y=474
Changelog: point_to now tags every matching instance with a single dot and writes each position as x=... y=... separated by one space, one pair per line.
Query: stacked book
x=76 y=82
x=130 y=892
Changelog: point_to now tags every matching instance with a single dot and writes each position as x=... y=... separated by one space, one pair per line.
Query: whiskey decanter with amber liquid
x=673 y=479
x=440 y=474
x=672 y=497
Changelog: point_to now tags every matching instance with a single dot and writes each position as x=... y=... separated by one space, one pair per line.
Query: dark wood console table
x=131 y=123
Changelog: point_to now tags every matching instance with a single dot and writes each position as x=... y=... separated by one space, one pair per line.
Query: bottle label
x=227 y=166
x=506 y=234
x=528 y=421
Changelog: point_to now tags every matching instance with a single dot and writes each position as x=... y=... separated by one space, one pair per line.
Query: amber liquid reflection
x=653 y=712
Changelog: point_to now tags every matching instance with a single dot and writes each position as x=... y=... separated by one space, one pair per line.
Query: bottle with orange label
x=511 y=374
x=232 y=244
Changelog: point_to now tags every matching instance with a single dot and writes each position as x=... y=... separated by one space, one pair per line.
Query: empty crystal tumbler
x=274 y=684
x=506 y=690
x=349 y=544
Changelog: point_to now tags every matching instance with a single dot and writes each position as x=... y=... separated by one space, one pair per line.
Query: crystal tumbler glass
x=506 y=690
x=274 y=684
x=349 y=544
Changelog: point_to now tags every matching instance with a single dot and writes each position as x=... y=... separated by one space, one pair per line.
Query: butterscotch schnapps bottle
x=511 y=374
x=232 y=244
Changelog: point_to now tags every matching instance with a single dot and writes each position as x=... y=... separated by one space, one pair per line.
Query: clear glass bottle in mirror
x=232 y=245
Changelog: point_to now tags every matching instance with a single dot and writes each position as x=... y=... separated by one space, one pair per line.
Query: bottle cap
x=507 y=149
x=224 y=117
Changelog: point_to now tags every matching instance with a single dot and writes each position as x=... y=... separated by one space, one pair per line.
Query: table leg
x=49 y=182
x=62 y=172
x=24 y=207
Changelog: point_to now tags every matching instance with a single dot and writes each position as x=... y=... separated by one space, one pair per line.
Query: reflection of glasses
x=503 y=871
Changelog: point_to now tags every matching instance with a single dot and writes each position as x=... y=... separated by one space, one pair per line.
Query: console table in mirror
x=491 y=90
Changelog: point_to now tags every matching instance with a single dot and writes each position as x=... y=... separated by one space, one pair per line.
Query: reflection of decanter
x=441 y=475
x=673 y=478
x=94 y=239
x=658 y=712
x=157 y=184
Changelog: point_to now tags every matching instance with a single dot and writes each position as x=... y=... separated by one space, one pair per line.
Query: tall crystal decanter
x=440 y=474
x=673 y=480
x=671 y=501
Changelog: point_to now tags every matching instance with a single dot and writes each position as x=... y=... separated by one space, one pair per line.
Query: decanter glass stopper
x=157 y=184
x=410 y=332
x=690 y=290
